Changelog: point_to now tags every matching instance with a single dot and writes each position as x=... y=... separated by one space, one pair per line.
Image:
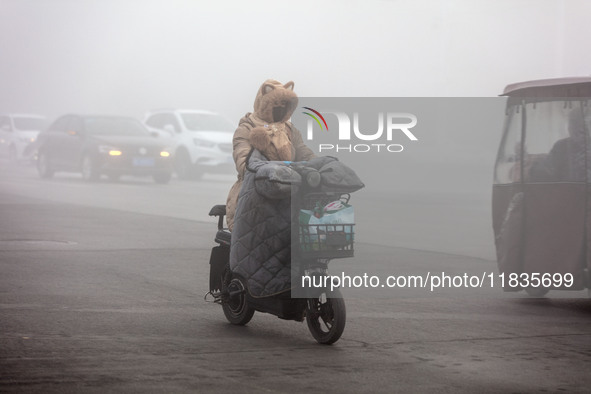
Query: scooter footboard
x=282 y=306
x=220 y=256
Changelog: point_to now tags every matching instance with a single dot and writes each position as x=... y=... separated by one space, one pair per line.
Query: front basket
x=326 y=240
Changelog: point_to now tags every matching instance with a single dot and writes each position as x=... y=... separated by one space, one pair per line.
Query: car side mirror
x=75 y=133
x=154 y=134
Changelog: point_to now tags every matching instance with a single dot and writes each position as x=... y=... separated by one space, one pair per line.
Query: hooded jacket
x=268 y=130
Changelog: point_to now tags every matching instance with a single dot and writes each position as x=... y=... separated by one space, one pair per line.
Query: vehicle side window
x=555 y=142
x=509 y=165
x=171 y=119
x=61 y=124
x=75 y=125
x=158 y=121
x=155 y=121
x=5 y=123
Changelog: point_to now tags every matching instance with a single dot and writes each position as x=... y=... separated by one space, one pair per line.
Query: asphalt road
x=102 y=285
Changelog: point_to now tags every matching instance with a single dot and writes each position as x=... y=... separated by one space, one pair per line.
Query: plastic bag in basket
x=318 y=228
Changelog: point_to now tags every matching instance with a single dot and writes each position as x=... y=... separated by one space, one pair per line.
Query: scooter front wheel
x=234 y=304
x=326 y=318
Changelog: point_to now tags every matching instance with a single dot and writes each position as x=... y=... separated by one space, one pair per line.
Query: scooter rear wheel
x=235 y=307
x=326 y=318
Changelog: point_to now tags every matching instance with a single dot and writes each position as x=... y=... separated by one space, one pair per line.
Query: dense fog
x=111 y=57
x=129 y=57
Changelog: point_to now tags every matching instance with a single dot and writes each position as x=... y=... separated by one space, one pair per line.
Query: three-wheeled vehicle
x=541 y=206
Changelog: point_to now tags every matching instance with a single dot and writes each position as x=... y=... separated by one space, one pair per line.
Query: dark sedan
x=97 y=145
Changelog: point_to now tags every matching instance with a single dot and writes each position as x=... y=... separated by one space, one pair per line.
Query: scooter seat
x=223 y=237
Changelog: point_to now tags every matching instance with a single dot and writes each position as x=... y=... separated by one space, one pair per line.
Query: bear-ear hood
x=275 y=102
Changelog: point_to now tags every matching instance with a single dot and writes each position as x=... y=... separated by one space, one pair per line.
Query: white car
x=202 y=140
x=17 y=132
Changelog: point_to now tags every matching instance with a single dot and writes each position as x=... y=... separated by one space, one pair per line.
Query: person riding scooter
x=269 y=131
x=278 y=179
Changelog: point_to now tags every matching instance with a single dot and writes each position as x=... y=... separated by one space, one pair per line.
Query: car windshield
x=114 y=126
x=32 y=123
x=206 y=122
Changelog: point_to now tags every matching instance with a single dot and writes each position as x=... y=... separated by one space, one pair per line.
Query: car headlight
x=203 y=143
x=164 y=154
x=110 y=150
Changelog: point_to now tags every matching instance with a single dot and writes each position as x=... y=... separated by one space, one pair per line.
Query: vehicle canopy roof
x=554 y=87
